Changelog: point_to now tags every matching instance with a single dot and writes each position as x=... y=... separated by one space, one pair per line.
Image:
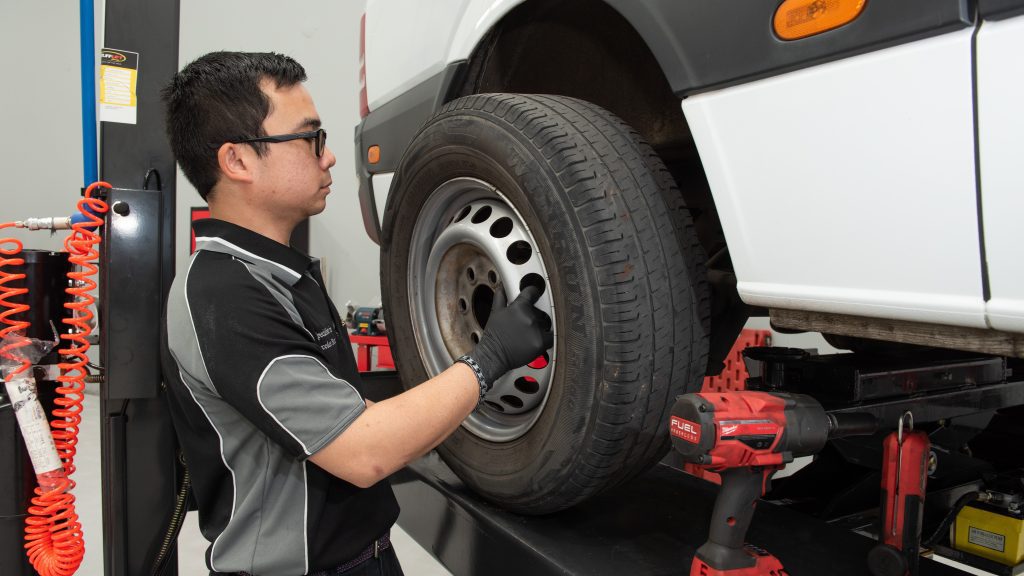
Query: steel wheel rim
x=467 y=238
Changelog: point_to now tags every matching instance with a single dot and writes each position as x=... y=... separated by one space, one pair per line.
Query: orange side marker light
x=797 y=19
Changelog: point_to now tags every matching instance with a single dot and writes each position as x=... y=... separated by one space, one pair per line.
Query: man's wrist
x=481 y=380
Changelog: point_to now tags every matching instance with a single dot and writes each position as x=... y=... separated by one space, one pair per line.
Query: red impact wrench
x=746 y=437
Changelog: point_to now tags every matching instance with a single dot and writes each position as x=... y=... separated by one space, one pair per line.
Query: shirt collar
x=284 y=262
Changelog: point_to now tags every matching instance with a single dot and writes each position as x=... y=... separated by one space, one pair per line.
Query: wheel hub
x=464 y=294
x=482 y=245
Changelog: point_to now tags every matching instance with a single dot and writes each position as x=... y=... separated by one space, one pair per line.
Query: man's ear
x=237 y=162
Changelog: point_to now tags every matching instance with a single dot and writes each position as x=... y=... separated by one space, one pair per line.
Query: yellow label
x=990 y=535
x=119 y=76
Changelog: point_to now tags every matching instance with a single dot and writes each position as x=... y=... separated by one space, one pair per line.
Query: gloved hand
x=515 y=335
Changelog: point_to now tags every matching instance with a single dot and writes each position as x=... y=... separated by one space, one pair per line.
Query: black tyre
x=522 y=189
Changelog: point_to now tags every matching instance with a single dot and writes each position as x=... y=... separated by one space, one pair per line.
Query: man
x=288 y=462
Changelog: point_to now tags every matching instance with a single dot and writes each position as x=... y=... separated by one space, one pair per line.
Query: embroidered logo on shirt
x=327 y=338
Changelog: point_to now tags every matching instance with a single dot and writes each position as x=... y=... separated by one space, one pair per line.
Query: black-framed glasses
x=319 y=138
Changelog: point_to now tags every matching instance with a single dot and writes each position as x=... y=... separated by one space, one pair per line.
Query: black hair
x=217 y=98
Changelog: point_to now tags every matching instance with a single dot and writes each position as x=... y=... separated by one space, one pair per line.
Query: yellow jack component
x=993 y=535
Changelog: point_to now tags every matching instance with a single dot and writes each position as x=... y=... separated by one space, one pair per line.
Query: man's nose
x=329 y=158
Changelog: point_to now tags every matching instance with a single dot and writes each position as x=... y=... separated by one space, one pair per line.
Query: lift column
x=140 y=470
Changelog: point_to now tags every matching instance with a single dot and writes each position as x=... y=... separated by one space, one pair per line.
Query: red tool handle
x=904 y=476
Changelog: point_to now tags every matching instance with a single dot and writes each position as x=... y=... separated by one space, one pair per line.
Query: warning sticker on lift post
x=119 y=75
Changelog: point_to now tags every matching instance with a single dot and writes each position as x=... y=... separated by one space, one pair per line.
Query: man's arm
x=391 y=433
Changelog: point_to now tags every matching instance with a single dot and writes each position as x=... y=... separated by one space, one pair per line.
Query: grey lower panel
x=1000 y=9
x=709 y=44
x=991 y=342
x=392 y=127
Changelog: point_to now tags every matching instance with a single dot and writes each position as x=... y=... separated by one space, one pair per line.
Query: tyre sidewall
x=468 y=144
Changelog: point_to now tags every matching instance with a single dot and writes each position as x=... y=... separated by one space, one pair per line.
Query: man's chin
x=318 y=207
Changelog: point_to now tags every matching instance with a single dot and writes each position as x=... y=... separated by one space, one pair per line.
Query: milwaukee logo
x=684 y=429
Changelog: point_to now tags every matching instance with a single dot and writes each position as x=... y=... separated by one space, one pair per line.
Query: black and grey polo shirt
x=266 y=378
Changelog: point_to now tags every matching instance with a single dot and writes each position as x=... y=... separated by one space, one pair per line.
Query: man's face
x=291 y=180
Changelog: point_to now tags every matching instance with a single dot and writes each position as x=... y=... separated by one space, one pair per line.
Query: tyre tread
x=649 y=270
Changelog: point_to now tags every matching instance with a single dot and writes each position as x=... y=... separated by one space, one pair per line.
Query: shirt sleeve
x=263 y=362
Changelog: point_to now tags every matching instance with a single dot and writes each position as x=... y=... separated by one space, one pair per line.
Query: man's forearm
x=391 y=433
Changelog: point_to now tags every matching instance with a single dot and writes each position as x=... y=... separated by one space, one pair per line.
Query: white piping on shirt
x=290 y=272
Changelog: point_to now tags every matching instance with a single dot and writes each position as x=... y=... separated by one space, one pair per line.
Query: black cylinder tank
x=46 y=280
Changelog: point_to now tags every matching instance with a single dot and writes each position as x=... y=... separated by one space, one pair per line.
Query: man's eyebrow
x=308 y=123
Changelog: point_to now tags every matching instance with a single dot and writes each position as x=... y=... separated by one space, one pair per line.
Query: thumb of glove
x=500 y=298
x=529 y=295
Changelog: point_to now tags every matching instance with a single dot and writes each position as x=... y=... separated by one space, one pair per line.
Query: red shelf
x=364 y=352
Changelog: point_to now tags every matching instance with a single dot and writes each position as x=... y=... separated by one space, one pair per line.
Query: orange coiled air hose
x=53 y=535
x=15 y=330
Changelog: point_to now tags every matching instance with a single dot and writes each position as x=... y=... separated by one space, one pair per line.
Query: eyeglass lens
x=321 y=142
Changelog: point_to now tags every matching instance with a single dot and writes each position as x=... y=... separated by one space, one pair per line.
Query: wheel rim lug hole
x=463 y=307
x=471 y=274
x=493 y=277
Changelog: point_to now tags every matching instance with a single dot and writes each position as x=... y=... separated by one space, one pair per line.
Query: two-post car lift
x=653 y=524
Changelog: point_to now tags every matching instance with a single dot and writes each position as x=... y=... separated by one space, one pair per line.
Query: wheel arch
x=536 y=48
x=537 y=45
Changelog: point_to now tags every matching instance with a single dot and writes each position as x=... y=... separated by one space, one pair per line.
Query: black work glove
x=515 y=335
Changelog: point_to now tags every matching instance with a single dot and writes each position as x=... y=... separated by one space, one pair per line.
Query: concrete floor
x=191 y=544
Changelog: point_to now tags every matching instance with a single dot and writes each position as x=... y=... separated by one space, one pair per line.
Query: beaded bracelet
x=468 y=361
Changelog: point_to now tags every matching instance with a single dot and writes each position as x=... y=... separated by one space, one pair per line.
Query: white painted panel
x=850 y=187
x=406 y=42
x=1001 y=143
x=479 y=17
x=381 y=185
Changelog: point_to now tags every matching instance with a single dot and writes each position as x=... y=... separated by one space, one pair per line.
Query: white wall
x=40 y=115
x=40 y=109
x=323 y=35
